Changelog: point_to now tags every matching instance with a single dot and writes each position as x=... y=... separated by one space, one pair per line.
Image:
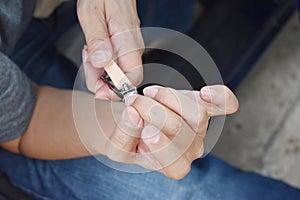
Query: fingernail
x=207 y=93
x=150 y=91
x=99 y=58
x=131 y=117
x=102 y=92
x=129 y=100
x=150 y=134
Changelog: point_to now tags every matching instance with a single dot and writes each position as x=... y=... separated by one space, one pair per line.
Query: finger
x=146 y=159
x=122 y=145
x=91 y=73
x=196 y=149
x=219 y=100
x=129 y=54
x=172 y=163
x=126 y=38
x=164 y=95
x=93 y=22
x=156 y=114
x=105 y=93
x=190 y=109
x=131 y=65
x=94 y=83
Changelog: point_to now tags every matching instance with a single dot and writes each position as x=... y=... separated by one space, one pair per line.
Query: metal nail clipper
x=123 y=92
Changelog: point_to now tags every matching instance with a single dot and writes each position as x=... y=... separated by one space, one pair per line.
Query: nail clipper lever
x=125 y=91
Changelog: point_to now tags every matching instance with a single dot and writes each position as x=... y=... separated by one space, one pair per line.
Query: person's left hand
x=175 y=125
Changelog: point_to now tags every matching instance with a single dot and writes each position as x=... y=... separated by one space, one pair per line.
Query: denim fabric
x=172 y=14
x=87 y=178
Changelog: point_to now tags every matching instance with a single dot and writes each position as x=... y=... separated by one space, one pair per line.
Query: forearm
x=52 y=133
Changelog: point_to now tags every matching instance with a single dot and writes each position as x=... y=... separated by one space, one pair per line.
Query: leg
x=87 y=178
x=172 y=14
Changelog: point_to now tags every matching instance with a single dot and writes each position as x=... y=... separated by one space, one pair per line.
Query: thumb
x=219 y=100
x=100 y=52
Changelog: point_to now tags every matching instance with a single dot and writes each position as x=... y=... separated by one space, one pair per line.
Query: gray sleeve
x=15 y=15
x=17 y=100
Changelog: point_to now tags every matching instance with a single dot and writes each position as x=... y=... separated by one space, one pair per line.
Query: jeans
x=87 y=178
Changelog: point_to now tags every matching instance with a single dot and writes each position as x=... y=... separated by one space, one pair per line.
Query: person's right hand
x=164 y=130
x=111 y=29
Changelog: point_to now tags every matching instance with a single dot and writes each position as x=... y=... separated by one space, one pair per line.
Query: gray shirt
x=17 y=96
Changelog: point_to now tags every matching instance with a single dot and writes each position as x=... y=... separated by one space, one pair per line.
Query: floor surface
x=264 y=136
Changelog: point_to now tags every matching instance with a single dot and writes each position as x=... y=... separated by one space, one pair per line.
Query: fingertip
x=105 y=93
x=150 y=91
x=150 y=135
x=234 y=107
x=207 y=94
x=130 y=99
x=102 y=91
x=222 y=97
x=134 y=117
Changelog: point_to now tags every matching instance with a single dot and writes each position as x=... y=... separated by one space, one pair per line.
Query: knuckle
x=176 y=125
x=114 y=153
x=125 y=143
x=122 y=46
x=84 y=7
x=116 y=157
x=117 y=25
x=96 y=42
x=90 y=87
x=180 y=174
x=202 y=128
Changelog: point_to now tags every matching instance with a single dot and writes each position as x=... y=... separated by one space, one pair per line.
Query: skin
x=136 y=135
x=162 y=131
x=111 y=29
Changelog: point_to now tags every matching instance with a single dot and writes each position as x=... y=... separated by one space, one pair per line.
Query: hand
x=111 y=32
x=76 y=133
x=175 y=124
